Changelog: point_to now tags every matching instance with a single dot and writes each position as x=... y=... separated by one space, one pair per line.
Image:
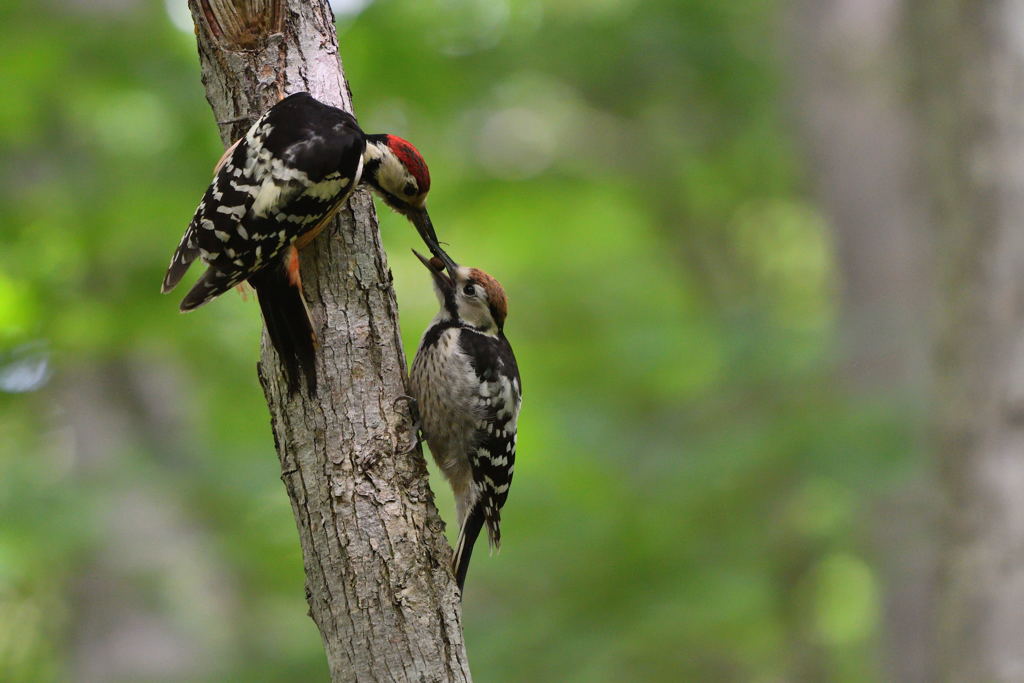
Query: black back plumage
x=494 y=453
x=495 y=366
x=296 y=163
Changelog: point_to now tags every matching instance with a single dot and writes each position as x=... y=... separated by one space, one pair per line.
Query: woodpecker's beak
x=421 y=219
x=437 y=267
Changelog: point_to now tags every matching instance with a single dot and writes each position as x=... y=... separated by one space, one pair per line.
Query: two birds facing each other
x=273 y=191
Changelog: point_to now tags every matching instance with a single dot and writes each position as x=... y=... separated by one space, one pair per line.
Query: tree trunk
x=863 y=148
x=861 y=143
x=374 y=552
x=971 y=61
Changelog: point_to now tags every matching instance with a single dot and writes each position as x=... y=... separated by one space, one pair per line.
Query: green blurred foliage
x=690 y=500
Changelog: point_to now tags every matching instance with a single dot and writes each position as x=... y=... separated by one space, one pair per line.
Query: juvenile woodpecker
x=273 y=191
x=466 y=384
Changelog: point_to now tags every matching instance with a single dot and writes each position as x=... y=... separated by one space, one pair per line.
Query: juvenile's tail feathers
x=475 y=521
x=467 y=539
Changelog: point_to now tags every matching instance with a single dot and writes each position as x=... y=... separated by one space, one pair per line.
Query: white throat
x=392 y=176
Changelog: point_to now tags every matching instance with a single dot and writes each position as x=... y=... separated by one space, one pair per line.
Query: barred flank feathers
x=288 y=326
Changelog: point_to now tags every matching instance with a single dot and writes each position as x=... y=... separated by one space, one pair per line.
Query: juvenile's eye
x=469 y=290
x=409 y=189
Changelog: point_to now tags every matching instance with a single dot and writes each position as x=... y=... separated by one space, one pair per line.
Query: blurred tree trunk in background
x=861 y=140
x=970 y=58
x=876 y=134
x=374 y=551
x=152 y=601
x=862 y=144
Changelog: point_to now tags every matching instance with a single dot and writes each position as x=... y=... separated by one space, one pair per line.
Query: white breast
x=445 y=388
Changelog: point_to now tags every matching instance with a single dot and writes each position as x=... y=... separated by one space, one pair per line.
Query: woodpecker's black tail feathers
x=467 y=539
x=288 y=325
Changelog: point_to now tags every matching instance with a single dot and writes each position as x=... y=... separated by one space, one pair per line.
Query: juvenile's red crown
x=495 y=294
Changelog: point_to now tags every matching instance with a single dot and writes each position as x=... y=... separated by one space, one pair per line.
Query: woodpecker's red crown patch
x=495 y=294
x=412 y=160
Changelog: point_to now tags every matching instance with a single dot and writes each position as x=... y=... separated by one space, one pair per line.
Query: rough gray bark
x=374 y=552
x=971 y=59
x=863 y=146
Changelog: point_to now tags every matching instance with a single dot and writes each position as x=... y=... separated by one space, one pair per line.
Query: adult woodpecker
x=273 y=191
x=467 y=388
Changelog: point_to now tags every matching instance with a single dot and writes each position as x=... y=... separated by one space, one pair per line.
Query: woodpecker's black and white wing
x=293 y=167
x=492 y=457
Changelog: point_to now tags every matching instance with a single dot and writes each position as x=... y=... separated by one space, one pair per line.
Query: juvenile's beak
x=421 y=219
x=437 y=268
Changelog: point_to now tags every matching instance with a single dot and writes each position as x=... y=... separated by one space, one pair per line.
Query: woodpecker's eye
x=469 y=290
x=409 y=189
